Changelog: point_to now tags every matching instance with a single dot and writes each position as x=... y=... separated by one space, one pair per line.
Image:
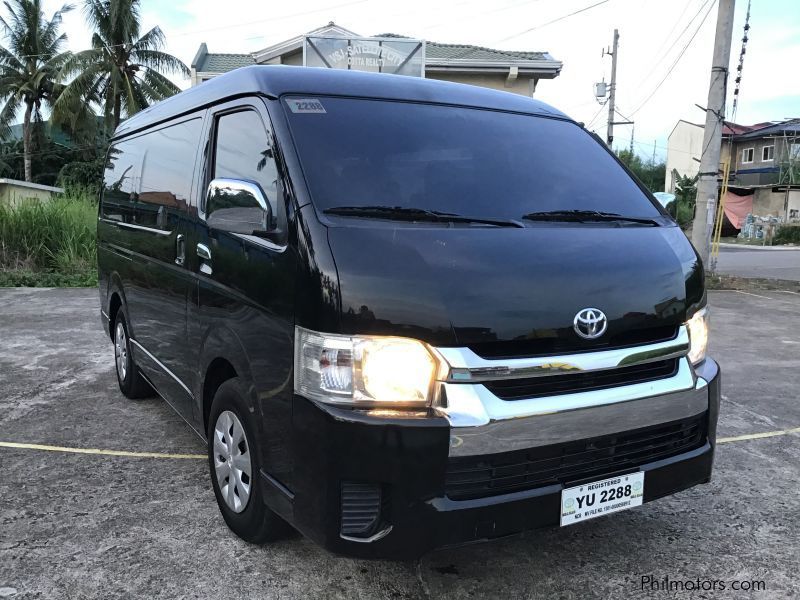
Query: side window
x=167 y=168
x=244 y=150
x=121 y=181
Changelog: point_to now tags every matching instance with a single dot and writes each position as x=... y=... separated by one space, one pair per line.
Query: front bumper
x=408 y=458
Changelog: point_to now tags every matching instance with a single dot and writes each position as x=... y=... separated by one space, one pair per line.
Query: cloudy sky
x=652 y=35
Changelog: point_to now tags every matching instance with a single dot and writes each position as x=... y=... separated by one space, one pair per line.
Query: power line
x=597 y=114
x=272 y=19
x=660 y=57
x=556 y=20
x=671 y=31
x=480 y=14
x=677 y=60
x=616 y=110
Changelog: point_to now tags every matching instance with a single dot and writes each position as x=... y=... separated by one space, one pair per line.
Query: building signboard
x=401 y=56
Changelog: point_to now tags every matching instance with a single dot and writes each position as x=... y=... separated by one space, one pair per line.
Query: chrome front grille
x=467 y=367
x=521 y=404
x=537 y=387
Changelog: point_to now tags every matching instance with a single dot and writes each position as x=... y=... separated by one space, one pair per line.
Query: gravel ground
x=94 y=526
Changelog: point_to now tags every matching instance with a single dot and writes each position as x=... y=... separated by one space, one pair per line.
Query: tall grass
x=49 y=243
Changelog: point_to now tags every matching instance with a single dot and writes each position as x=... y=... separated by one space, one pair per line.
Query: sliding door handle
x=180 y=249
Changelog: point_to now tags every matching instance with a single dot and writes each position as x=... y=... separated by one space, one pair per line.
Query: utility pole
x=613 y=90
x=707 y=187
x=633 y=132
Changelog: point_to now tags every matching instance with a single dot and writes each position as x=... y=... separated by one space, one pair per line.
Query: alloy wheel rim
x=232 y=464
x=121 y=351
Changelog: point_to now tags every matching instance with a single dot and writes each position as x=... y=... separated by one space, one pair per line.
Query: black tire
x=254 y=522
x=131 y=382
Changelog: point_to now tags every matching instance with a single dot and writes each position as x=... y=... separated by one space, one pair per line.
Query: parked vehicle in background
x=398 y=318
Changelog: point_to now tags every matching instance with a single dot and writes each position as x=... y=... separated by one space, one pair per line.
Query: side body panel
x=143 y=222
x=242 y=310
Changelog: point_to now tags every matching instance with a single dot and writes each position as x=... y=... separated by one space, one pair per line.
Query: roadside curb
x=754 y=247
x=732 y=282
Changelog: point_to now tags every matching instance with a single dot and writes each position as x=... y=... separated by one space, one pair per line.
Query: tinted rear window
x=457 y=160
x=149 y=176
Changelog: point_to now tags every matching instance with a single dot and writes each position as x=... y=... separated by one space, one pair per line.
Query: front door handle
x=180 y=249
x=205 y=257
x=203 y=252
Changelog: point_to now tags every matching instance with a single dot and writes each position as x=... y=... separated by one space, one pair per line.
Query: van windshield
x=453 y=160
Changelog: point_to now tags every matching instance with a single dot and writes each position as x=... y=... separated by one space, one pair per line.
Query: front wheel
x=234 y=462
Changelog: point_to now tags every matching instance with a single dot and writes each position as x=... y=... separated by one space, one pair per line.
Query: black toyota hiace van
x=404 y=314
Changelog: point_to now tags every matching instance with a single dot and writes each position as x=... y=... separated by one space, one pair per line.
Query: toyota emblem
x=590 y=323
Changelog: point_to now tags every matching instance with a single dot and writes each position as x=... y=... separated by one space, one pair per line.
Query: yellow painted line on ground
x=101 y=452
x=757 y=436
x=98 y=451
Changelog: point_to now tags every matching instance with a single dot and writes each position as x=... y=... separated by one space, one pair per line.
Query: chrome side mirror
x=238 y=206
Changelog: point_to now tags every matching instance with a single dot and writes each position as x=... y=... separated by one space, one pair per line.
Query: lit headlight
x=698 y=335
x=368 y=370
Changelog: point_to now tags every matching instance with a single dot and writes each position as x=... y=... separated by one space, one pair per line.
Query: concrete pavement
x=96 y=526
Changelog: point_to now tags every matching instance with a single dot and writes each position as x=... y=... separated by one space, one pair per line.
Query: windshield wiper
x=585 y=216
x=401 y=213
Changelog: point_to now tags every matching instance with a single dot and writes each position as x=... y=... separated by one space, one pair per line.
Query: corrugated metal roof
x=436 y=51
x=439 y=51
x=788 y=126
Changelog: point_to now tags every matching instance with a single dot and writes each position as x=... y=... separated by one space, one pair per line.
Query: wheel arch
x=115 y=299
x=222 y=357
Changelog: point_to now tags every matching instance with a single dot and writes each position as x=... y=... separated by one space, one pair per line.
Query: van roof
x=277 y=80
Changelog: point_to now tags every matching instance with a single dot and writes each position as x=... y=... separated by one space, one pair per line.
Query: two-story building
x=511 y=71
x=685 y=145
x=764 y=164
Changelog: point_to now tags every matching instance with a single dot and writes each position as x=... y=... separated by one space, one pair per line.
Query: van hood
x=514 y=291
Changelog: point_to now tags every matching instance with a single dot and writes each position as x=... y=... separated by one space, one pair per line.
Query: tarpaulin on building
x=737 y=208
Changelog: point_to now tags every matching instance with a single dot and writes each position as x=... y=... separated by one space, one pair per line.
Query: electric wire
x=594 y=118
x=659 y=57
x=556 y=20
x=671 y=31
x=678 y=58
x=480 y=14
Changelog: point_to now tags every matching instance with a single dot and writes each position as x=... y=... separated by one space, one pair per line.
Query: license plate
x=599 y=498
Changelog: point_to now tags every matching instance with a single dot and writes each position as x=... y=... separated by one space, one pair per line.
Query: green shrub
x=682 y=211
x=52 y=242
x=787 y=234
x=82 y=175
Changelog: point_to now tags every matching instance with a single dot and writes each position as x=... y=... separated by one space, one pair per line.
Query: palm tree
x=123 y=71
x=30 y=66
